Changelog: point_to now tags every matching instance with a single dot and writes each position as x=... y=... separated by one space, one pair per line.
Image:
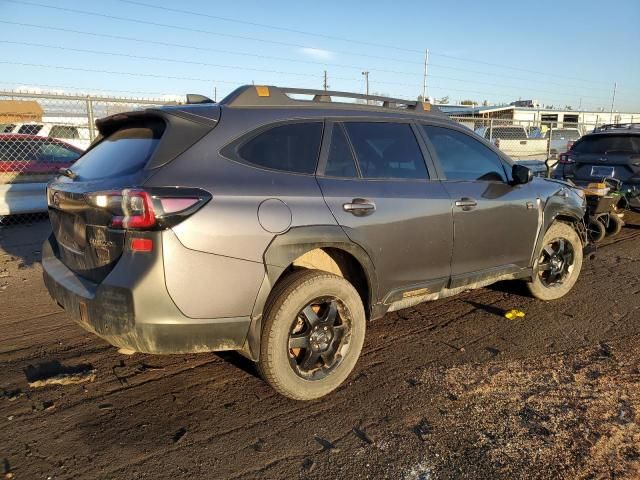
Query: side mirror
x=521 y=174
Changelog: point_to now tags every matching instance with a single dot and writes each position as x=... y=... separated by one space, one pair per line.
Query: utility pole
x=613 y=99
x=366 y=81
x=325 y=84
x=424 y=79
x=215 y=94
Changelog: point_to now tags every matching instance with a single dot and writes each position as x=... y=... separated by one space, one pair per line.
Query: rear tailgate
x=599 y=156
x=133 y=147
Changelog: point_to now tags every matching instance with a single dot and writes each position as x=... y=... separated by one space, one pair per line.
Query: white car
x=27 y=163
x=76 y=135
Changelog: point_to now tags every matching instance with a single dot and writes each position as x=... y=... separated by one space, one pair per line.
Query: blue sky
x=561 y=53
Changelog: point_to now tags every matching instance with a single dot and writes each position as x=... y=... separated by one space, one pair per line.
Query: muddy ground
x=449 y=389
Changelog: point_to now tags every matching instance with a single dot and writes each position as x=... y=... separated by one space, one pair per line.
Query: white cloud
x=317 y=53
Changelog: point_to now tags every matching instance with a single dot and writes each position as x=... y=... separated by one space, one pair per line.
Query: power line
x=333 y=37
x=265 y=25
x=210 y=32
x=255 y=55
x=163 y=59
x=339 y=38
x=252 y=69
x=187 y=29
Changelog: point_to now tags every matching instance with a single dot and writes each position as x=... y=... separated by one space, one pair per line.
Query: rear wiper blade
x=67 y=172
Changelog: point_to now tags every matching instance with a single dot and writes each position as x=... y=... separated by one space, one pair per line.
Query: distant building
x=542 y=117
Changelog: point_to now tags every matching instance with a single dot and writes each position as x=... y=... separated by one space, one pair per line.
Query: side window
x=387 y=150
x=464 y=158
x=63 y=131
x=340 y=162
x=293 y=147
x=50 y=152
x=30 y=129
x=17 y=151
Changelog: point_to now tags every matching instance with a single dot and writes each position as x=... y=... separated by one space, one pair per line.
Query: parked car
x=610 y=151
x=277 y=227
x=561 y=139
x=27 y=163
x=515 y=142
x=76 y=135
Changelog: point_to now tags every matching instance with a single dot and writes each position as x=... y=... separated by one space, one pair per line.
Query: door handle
x=466 y=203
x=360 y=207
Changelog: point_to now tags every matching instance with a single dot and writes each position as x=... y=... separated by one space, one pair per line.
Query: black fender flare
x=556 y=208
x=281 y=253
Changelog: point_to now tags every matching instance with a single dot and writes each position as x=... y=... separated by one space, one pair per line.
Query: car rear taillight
x=149 y=209
x=564 y=158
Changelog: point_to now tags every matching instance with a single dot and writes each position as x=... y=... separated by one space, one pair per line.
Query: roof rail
x=270 y=96
x=617 y=126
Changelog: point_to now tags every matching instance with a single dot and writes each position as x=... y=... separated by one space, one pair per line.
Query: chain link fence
x=41 y=133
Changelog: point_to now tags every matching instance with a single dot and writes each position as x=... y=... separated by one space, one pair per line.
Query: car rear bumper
x=135 y=311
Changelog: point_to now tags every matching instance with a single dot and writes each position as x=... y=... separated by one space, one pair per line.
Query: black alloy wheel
x=319 y=338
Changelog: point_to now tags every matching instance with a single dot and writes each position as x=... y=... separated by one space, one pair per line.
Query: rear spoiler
x=183 y=126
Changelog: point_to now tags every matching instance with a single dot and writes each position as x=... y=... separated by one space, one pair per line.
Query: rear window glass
x=293 y=147
x=564 y=135
x=387 y=150
x=17 y=150
x=63 y=131
x=30 y=129
x=608 y=144
x=124 y=152
x=506 y=133
x=340 y=162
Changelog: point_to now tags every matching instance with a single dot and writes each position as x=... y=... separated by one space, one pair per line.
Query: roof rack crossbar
x=270 y=96
x=616 y=126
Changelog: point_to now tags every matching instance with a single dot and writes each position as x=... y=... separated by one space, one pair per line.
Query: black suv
x=277 y=222
x=609 y=151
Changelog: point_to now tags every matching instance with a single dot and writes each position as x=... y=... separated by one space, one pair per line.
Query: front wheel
x=558 y=263
x=313 y=334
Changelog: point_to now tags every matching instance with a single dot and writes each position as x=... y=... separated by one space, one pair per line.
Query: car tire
x=596 y=230
x=300 y=310
x=557 y=264
x=615 y=225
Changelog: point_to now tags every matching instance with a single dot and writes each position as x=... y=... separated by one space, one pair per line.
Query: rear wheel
x=558 y=264
x=313 y=334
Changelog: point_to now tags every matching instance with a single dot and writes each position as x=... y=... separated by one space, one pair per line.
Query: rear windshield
x=30 y=129
x=608 y=144
x=565 y=135
x=124 y=152
x=506 y=133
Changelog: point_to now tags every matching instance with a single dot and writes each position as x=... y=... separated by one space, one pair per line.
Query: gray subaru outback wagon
x=277 y=222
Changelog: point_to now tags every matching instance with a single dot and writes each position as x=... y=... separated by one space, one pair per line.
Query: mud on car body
x=277 y=227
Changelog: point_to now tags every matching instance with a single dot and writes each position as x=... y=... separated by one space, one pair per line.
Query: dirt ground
x=449 y=389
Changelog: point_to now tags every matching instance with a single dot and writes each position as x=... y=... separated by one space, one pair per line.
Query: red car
x=27 y=163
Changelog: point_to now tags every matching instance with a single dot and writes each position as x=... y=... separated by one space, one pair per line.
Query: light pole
x=424 y=78
x=366 y=81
